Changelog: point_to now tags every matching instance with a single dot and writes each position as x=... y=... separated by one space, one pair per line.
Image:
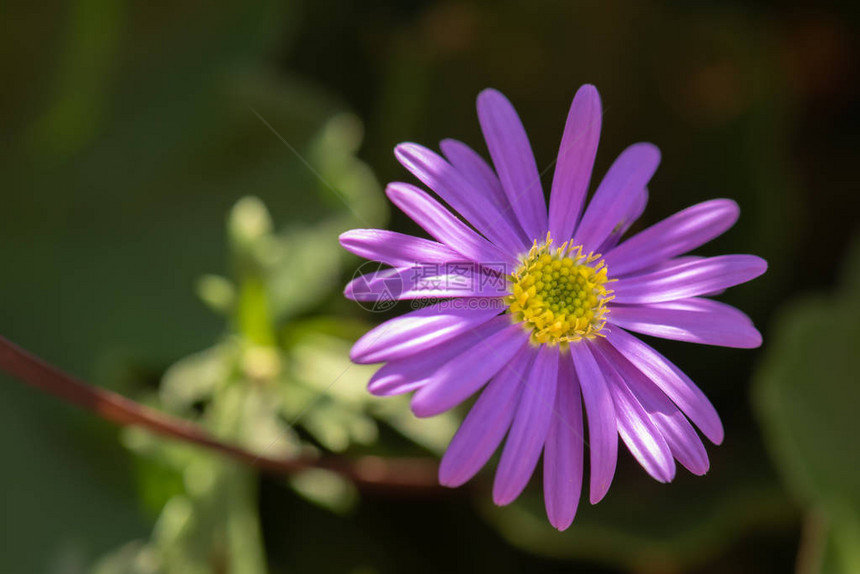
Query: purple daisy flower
x=535 y=306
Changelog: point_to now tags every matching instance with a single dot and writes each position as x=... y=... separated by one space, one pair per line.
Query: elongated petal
x=470 y=163
x=486 y=424
x=704 y=306
x=634 y=213
x=442 y=225
x=637 y=208
x=665 y=265
x=600 y=412
x=413 y=332
x=529 y=429
x=514 y=161
x=396 y=249
x=675 y=235
x=680 y=435
x=617 y=194
x=672 y=264
x=637 y=430
x=458 y=191
x=682 y=439
x=459 y=378
x=427 y=281
x=689 y=280
x=696 y=321
x=409 y=374
x=563 y=451
x=669 y=378
x=575 y=162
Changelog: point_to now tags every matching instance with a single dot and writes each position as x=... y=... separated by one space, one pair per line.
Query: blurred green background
x=129 y=133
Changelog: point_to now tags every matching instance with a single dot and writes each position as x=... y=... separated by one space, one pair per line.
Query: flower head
x=534 y=306
x=559 y=294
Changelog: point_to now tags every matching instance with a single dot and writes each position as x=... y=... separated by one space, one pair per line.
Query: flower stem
x=403 y=475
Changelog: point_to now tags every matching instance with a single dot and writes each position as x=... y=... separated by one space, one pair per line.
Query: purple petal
x=682 y=439
x=636 y=428
x=473 y=167
x=704 y=305
x=514 y=161
x=457 y=379
x=529 y=429
x=685 y=443
x=672 y=264
x=409 y=334
x=675 y=235
x=669 y=378
x=486 y=424
x=600 y=411
x=637 y=208
x=617 y=195
x=665 y=265
x=563 y=451
x=396 y=249
x=427 y=281
x=459 y=193
x=689 y=280
x=694 y=320
x=395 y=379
x=442 y=225
x=575 y=162
x=409 y=374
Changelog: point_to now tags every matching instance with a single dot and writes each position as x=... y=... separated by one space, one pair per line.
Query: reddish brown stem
x=404 y=474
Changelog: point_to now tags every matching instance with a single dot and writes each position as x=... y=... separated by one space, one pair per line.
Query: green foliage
x=156 y=119
x=122 y=129
x=277 y=388
x=807 y=396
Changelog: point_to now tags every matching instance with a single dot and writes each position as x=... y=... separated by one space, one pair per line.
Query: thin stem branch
x=369 y=472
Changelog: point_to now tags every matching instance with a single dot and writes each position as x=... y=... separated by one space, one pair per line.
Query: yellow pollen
x=560 y=294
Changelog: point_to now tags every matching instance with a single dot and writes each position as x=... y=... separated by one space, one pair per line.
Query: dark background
x=127 y=134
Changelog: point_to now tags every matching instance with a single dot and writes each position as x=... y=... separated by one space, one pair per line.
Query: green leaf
x=326 y=489
x=806 y=394
x=308 y=269
x=196 y=377
x=218 y=293
x=434 y=433
x=132 y=558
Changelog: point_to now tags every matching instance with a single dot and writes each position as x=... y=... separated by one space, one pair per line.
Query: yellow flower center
x=560 y=294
